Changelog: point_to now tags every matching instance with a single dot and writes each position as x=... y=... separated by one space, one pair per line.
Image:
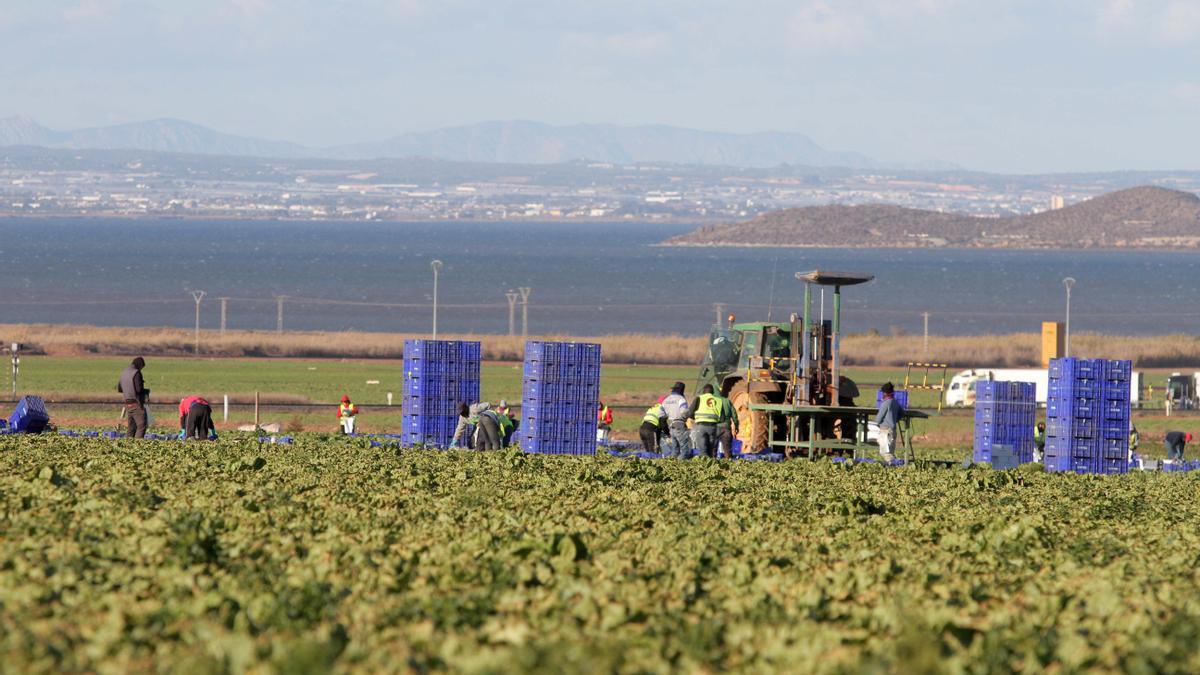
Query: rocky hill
x=1147 y=217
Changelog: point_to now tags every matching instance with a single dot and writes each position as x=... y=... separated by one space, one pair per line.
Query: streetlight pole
x=197 y=296
x=1068 y=283
x=224 y=302
x=279 y=313
x=437 y=267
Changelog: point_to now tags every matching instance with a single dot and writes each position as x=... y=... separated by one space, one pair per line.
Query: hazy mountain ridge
x=510 y=142
x=161 y=135
x=1144 y=216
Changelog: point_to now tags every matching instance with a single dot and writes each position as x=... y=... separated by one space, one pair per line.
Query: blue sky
x=1001 y=85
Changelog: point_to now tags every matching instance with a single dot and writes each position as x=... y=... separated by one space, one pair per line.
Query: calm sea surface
x=587 y=279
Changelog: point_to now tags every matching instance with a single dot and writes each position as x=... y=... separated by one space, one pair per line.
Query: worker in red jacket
x=195 y=419
x=346 y=413
x=604 y=420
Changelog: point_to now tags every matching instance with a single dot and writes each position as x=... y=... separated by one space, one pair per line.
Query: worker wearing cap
x=1175 y=442
x=888 y=421
x=654 y=425
x=195 y=419
x=133 y=388
x=346 y=414
x=604 y=420
x=676 y=407
x=705 y=412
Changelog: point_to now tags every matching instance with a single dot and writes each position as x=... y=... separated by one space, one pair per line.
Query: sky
x=999 y=85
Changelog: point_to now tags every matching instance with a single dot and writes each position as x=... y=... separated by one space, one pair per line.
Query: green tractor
x=781 y=364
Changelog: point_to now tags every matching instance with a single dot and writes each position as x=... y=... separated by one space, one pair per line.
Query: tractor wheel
x=753 y=426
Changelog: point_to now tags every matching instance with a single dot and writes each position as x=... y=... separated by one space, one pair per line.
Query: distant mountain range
x=1145 y=217
x=514 y=142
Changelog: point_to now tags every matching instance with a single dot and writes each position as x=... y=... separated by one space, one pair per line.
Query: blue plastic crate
x=1120 y=394
x=29 y=416
x=900 y=395
x=1075 y=368
x=1118 y=371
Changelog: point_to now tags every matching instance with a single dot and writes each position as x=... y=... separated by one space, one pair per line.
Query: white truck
x=961 y=392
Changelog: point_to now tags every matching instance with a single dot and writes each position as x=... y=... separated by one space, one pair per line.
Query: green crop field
x=117 y=556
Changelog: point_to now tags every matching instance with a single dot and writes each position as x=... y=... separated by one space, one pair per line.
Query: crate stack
x=560 y=396
x=1005 y=416
x=900 y=396
x=438 y=376
x=1087 y=416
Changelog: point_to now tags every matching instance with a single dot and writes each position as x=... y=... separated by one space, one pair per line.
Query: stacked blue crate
x=438 y=376
x=900 y=395
x=559 y=398
x=1087 y=416
x=1005 y=415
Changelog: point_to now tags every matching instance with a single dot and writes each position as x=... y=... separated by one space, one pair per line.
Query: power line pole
x=512 y=312
x=279 y=313
x=926 y=347
x=224 y=302
x=525 y=291
x=197 y=296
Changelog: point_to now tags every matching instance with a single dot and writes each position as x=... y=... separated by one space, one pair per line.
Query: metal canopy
x=827 y=278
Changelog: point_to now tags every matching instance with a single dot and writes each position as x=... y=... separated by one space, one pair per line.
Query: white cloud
x=628 y=45
x=1173 y=23
x=818 y=25
x=1180 y=23
x=1187 y=93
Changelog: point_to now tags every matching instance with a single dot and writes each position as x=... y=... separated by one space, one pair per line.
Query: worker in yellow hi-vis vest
x=705 y=413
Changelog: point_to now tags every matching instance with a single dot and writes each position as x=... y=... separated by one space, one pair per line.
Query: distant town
x=128 y=184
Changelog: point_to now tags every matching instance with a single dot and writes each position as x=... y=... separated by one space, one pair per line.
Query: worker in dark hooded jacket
x=133 y=388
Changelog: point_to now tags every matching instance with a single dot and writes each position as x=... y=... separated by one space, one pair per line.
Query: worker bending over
x=195 y=419
x=1175 y=442
x=676 y=407
x=488 y=426
x=654 y=425
x=464 y=432
x=347 y=411
x=705 y=412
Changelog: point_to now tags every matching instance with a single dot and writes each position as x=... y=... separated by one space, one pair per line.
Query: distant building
x=1056 y=202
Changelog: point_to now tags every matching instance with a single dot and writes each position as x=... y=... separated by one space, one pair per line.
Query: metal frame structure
x=812 y=409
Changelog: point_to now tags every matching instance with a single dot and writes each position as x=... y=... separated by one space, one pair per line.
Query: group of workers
x=482 y=426
x=195 y=412
x=1175 y=442
x=665 y=430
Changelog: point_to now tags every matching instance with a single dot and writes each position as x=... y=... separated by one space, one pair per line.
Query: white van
x=961 y=392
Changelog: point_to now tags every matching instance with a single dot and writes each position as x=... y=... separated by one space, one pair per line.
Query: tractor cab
x=732 y=352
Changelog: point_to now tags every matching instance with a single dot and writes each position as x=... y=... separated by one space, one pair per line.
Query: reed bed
x=1012 y=350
